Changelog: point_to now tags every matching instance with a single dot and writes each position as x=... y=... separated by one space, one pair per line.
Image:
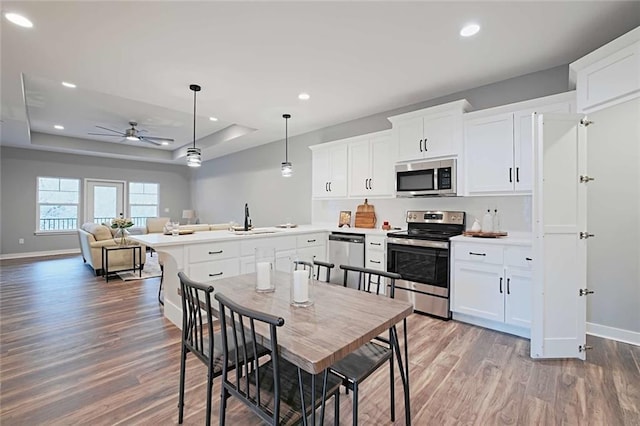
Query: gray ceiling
x=135 y=61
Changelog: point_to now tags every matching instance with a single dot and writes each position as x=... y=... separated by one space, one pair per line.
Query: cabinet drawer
x=214 y=251
x=248 y=247
x=519 y=257
x=375 y=260
x=375 y=242
x=479 y=253
x=214 y=270
x=308 y=240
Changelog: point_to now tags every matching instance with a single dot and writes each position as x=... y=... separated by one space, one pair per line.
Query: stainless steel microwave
x=426 y=178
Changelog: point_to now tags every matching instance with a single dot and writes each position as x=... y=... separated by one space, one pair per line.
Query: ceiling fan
x=133 y=134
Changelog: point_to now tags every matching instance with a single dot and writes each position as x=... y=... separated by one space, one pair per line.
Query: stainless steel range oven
x=421 y=256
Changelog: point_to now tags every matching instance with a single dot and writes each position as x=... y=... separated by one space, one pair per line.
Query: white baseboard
x=618 y=334
x=38 y=254
x=173 y=313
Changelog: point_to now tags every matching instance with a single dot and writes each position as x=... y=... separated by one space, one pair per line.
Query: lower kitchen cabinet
x=491 y=286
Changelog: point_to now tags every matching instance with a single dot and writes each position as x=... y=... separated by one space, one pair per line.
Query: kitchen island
x=210 y=255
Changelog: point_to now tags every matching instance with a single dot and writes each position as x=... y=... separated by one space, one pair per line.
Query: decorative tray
x=287 y=225
x=182 y=232
x=480 y=234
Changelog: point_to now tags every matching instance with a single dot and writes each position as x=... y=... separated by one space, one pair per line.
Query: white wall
x=613 y=215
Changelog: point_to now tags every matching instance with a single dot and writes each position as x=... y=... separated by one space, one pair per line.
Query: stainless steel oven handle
x=444 y=245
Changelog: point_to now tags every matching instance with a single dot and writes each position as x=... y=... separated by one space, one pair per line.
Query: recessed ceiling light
x=18 y=20
x=469 y=30
x=304 y=96
x=67 y=84
x=213 y=119
x=58 y=127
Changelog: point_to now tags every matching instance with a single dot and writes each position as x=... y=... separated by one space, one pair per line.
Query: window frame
x=78 y=205
x=130 y=204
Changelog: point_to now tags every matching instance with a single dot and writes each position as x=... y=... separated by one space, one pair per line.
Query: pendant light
x=194 y=155
x=286 y=168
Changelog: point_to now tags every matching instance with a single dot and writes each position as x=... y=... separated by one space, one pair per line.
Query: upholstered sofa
x=93 y=237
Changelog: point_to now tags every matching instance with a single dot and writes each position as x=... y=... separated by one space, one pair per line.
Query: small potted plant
x=121 y=224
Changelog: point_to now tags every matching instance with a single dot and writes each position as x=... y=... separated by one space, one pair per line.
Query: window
x=58 y=203
x=143 y=202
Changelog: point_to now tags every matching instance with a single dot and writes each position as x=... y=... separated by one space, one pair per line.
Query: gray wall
x=19 y=169
x=222 y=186
x=613 y=215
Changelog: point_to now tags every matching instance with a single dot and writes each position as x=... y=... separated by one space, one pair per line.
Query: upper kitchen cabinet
x=499 y=145
x=329 y=174
x=609 y=75
x=430 y=133
x=371 y=160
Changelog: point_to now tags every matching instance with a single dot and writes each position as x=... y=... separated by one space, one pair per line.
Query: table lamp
x=188 y=214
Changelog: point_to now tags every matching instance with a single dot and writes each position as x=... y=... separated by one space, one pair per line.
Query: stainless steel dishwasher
x=346 y=249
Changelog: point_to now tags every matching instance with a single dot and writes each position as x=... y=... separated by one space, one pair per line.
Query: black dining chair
x=272 y=390
x=364 y=361
x=198 y=338
x=323 y=266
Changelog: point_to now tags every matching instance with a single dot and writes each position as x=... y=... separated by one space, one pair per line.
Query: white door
x=320 y=173
x=489 y=153
x=559 y=256
x=439 y=136
x=104 y=200
x=410 y=140
x=338 y=161
x=517 y=309
x=479 y=290
x=382 y=159
x=359 y=168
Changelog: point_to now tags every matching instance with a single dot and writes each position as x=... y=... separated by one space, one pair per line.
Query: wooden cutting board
x=481 y=234
x=365 y=216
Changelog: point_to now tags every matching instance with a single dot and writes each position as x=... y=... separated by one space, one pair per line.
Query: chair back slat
x=328 y=267
x=244 y=327
x=197 y=332
x=368 y=277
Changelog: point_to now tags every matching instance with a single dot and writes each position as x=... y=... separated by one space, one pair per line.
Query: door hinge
x=584 y=348
x=584 y=292
x=585 y=179
x=585 y=235
x=585 y=121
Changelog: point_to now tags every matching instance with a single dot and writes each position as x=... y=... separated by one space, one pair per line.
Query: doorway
x=104 y=200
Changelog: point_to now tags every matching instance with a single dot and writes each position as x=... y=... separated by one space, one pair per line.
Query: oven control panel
x=421 y=216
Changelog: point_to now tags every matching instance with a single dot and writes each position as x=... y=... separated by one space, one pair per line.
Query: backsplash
x=515 y=211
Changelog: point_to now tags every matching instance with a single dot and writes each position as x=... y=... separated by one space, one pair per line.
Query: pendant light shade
x=286 y=168
x=194 y=155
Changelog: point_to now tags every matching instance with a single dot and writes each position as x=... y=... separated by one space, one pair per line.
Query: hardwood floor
x=76 y=350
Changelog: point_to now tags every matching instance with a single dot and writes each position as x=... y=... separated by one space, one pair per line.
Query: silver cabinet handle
x=216 y=252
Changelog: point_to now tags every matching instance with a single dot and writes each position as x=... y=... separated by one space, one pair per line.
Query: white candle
x=300 y=286
x=263 y=271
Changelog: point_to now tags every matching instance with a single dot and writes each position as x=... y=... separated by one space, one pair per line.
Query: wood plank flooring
x=76 y=350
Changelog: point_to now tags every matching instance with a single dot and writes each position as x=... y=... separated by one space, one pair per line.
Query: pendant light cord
x=286 y=140
x=194 y=118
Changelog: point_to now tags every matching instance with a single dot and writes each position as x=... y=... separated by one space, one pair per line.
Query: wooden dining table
x=315 y=337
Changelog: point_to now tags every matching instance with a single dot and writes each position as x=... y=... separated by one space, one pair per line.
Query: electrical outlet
x=21 y=241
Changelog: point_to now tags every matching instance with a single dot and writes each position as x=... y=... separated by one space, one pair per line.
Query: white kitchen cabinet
x=329 y=174
x=492 y=282
x=375 y=252
x=430 y=133
x=212 y=261
x=371 y=162
x=499 y=145
x=609 y=75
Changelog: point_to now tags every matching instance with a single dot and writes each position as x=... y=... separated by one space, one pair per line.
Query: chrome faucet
x=247 y=219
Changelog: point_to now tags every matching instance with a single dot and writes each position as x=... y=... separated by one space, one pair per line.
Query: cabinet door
x=477 y=290
x=518 y=300
x=489 y=154
x=523 y=143
x=382 y=161
x=321 y=173
x=410 y=139
x=440 y=136
x=359 y=168
x=338 y=162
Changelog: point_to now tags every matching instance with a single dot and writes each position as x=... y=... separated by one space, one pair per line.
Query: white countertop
x=514 y=239
x=159 y=240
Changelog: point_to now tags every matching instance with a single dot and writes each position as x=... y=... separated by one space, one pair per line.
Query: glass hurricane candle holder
x=301 y=282
x=265 y=269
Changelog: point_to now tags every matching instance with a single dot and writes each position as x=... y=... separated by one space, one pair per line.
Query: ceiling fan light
x=132 y=138
x=194 y=157
x=286 y=169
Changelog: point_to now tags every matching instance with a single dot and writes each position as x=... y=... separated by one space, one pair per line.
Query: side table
x=135 y=249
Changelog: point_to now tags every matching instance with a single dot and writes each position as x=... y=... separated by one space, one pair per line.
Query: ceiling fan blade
x=104 y=134
x=157 y=138
x=111 y=130
x=149 y=141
